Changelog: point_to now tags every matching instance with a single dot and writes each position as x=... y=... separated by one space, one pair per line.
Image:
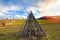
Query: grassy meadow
x=12 y=28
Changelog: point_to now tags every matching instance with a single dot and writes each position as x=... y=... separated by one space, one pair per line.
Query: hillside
x=52 y=19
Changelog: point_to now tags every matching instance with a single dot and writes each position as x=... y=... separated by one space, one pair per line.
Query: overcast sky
x=20 y=8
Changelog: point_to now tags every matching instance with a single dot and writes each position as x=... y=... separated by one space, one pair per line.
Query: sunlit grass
x=12 y=31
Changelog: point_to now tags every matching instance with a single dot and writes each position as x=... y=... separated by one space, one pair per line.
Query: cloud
x=20 y=9
x=20 y=17
x=24 y=3
x=4 y=10
x=52 y=9
x=1 y=14
x=46 y=8
x=37 y=12
x=14 y=7
x=49 y=7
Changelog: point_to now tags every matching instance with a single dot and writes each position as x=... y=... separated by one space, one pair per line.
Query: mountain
x=51 y=18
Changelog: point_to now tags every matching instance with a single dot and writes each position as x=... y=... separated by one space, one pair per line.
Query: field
x=12 y=31
x=52 y=31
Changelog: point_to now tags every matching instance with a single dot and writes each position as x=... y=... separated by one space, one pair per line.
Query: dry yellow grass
x=12 y=31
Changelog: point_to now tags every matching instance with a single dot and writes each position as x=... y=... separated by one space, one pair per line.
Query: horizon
x=19 y=9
